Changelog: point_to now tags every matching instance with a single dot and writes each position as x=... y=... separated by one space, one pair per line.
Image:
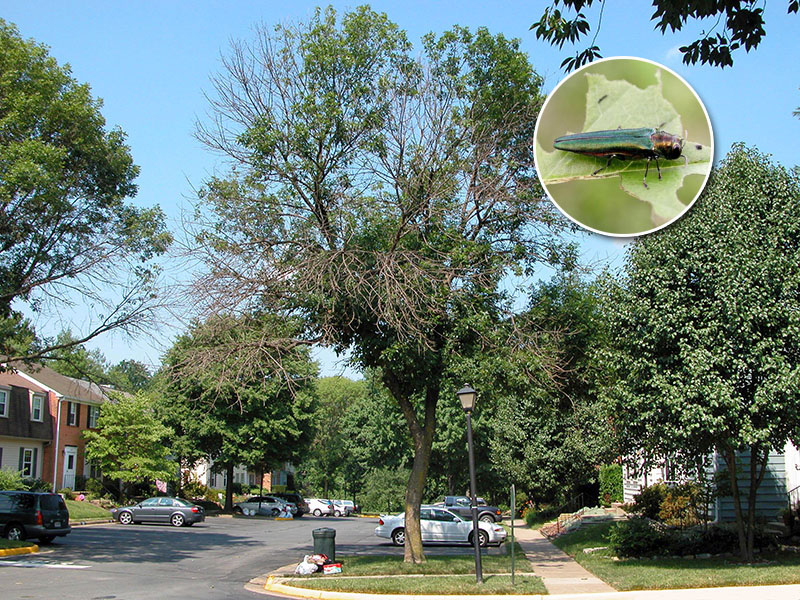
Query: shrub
x=647 y=503
x=639 y=536
x=610 y=484
x=95 y=487
x=11 y=480
x=37 y=485
x=534 y=515
x=194 y=489
x=67 y=493
x=682 y=505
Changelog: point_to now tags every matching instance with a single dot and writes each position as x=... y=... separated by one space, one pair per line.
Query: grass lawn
x=448 y=584
x=454 y=575
x=4 y=544
x=78 y=511
x=673 y=573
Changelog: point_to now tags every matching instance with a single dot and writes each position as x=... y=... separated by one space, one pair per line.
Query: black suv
x=33 y=515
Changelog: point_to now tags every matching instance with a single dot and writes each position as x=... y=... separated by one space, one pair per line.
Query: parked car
x=26 y=515
x=343 y=508
x=264 y=505
x=297 y=499
x=319 y=506
x=163 y=509
x=440 y=525
x=461 y=506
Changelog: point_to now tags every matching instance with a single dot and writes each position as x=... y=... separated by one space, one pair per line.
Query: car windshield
x=51 y=502
x=182 y=502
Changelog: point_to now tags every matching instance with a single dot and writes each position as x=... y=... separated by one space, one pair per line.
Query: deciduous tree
x=67 y=235
x=254 y=418
x=130 y=441
x=704 y=328
x=379 y=197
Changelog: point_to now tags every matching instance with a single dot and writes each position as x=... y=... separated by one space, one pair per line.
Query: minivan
x=26 y=515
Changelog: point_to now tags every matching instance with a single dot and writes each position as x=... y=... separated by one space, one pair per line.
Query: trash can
x=325 y=542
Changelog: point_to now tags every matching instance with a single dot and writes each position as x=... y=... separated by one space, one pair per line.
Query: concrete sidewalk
x=560 y=573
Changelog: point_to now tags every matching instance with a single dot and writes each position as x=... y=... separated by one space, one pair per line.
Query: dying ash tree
x=381 y=197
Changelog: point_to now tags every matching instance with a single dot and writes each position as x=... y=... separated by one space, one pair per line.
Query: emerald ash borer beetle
x=631 y=144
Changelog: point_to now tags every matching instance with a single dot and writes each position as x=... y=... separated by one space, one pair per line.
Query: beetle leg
x=610 y=158
x=659 y=168
x=647 y=168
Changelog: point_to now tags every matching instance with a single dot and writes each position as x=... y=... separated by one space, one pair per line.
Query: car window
x=22 y=501
x=5 y=502
x=165 y=501
x=425 y=514
x=462 y=502
x=182 y=502
x=150 y=502
x=50 y=502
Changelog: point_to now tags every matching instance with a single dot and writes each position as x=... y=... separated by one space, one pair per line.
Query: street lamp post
x=467 y=397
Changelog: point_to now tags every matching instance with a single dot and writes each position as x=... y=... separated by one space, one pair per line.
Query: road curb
x=17 y=551
x=776 y=592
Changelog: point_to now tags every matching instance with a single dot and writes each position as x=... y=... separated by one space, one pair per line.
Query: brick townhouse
x=43 y=415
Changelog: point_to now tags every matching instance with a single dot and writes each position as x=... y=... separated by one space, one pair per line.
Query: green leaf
x=612 y=104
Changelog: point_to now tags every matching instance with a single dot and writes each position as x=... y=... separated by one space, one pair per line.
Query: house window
x=27 y=461
x=72 y=413
x=37 y=407
x=94 y=415
x=4 y=402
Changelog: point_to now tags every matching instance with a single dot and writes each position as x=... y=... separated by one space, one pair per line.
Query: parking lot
x=214 y=559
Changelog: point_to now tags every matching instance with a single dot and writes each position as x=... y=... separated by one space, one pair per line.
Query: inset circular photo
x=623 y=146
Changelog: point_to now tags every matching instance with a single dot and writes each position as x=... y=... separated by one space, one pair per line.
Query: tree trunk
x=745 y=524
x=229 y=488
x=422 y=436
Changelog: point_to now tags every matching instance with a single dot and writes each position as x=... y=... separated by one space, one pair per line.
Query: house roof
x=11 y=378
x=68 y=387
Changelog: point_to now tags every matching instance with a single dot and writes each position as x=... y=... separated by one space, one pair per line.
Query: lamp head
x=467 y=397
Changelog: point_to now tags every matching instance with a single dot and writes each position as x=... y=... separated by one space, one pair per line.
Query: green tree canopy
x=130 y=441
x=255 y=418
x=66 y=234
x=703 y=327
x=380 y=196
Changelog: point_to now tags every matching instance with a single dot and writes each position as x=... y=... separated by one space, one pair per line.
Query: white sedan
x=440 y=525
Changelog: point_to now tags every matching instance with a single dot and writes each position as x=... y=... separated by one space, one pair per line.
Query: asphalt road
x=214 y=559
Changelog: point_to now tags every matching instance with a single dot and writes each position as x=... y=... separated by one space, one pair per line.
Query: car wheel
x=483 y=539
x=178 y=520
x=15 y=532
x=46 y=539
x=317 y=512
x=399 y=537
x=125 y=517
x=237 y=510
x=337 y=513
x=275 y=512
x=487 y=519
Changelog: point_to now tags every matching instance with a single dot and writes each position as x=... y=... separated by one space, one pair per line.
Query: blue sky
x=150 y=62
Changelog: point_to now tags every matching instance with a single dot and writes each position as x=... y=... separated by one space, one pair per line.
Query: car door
x=449 y=527
x=145 y=510
x=165 y=508
x=427 y=526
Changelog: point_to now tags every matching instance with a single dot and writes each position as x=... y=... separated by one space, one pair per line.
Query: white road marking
x=40 y=564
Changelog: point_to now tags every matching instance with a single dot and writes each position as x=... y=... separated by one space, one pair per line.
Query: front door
x=70 y=460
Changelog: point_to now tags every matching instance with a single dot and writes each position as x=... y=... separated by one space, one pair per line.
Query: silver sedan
x=440 y=525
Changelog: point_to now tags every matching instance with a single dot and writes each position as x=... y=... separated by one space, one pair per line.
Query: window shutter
x=77 y=414
x=21 y=457
x=33 y=467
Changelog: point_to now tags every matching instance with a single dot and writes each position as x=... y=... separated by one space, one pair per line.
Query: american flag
x=161 y=486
